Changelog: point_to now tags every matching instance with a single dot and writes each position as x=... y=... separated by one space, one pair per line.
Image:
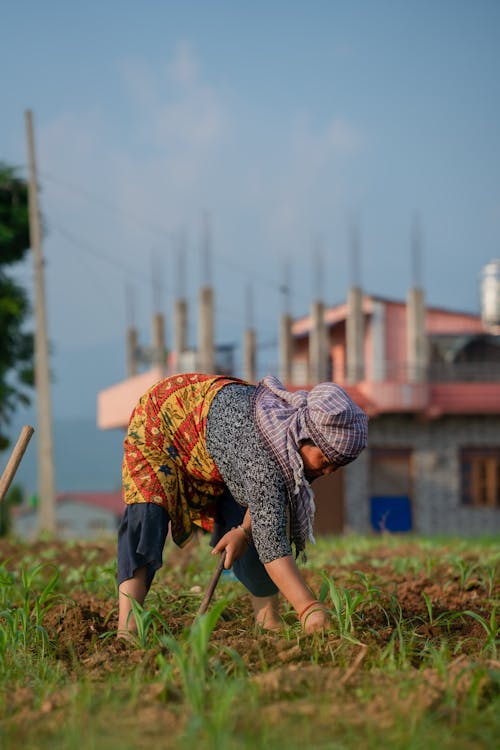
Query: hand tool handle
x=213 y=583
x=15 y=459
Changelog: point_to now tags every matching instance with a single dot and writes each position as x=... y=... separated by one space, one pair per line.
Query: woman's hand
x=315 y=618
x=235 y=542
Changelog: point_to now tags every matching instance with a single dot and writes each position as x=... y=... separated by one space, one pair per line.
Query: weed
x=209 y=686
x=491 y=628
x=345 y=604
x=147 y=623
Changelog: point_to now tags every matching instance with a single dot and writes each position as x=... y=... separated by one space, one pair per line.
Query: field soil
x=403 y=589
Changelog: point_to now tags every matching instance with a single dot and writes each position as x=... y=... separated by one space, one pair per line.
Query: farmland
x=412 y=660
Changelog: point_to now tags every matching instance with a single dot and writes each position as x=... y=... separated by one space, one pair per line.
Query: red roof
x=110 y=501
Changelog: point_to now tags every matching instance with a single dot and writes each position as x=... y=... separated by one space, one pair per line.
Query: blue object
x=390 y=513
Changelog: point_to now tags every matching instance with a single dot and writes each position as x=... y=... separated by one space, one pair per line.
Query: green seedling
x=491 y=628
x=465 y=569
x=148 y=622
x=433 y=620
x=345 y=604
x=209 y=686
x=489 y=576
x=372 y=592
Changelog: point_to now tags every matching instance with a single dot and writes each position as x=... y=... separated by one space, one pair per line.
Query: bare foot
x=266 y=612
x=275 y=625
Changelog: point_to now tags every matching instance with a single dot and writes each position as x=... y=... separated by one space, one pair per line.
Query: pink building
x=429 y=379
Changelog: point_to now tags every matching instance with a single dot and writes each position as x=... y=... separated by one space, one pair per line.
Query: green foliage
x=16 y=345
x=14 y=222
x=24 y=600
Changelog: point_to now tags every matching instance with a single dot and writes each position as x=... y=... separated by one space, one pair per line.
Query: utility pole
x=46 y=491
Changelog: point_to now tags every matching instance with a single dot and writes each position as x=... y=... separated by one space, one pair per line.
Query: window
x=481 y=477
x=391 y=472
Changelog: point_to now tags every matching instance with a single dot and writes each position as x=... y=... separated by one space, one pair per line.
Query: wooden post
x=46 y=490
x=15 y=459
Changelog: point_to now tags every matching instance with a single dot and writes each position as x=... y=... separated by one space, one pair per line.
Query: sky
x=282 y=126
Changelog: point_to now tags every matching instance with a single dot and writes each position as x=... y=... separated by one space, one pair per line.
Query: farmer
x=237 y=459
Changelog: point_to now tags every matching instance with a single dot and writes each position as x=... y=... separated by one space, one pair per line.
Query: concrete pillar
x=355 y=336
x=206 y=349
x=159 y=353
x=180 y=330
x=377 y=361
x=132 y=348
x=318 y=345
x=249 y=356
x=416 y=338
x=286 y=349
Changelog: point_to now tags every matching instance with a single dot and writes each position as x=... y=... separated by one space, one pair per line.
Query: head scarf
x=327 y=416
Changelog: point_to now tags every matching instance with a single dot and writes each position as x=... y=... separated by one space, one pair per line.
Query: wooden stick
x=15 y=459
x=213 y=583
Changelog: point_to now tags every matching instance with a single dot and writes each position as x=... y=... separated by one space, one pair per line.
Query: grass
x=411 y=661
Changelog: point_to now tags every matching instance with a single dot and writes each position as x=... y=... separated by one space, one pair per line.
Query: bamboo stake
x=15 y=459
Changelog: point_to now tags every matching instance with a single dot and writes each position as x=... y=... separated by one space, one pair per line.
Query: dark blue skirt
x=143 y=531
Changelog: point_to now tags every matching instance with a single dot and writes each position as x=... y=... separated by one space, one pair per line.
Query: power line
x=160 y=230
x=100 y=254
x=131 y=270
x=157 y=229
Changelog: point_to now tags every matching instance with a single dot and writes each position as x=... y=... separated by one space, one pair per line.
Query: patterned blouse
x=248 y=469
x=165 y=457
x=191 y=435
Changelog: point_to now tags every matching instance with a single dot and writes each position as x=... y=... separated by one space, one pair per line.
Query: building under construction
x=429 y=378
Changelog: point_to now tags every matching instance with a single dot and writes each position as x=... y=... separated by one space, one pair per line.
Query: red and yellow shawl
x=165 y=456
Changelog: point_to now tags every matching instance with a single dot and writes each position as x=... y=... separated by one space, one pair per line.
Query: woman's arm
x=287 y=577
x=283 y=572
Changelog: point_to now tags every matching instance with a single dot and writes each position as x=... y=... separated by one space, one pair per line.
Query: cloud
x=338 y=138
x=180 y=121
x=176 y=146
x=176 y=110
x=183 y=70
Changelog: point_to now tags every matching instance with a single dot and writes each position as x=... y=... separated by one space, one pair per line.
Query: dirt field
x=413 y=624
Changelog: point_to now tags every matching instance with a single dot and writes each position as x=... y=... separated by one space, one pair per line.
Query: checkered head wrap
x=327 y=416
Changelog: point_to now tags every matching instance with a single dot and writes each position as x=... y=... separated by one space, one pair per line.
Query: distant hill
x=85 y=458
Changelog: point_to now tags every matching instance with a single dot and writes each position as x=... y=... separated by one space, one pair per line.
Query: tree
x=16 y=345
